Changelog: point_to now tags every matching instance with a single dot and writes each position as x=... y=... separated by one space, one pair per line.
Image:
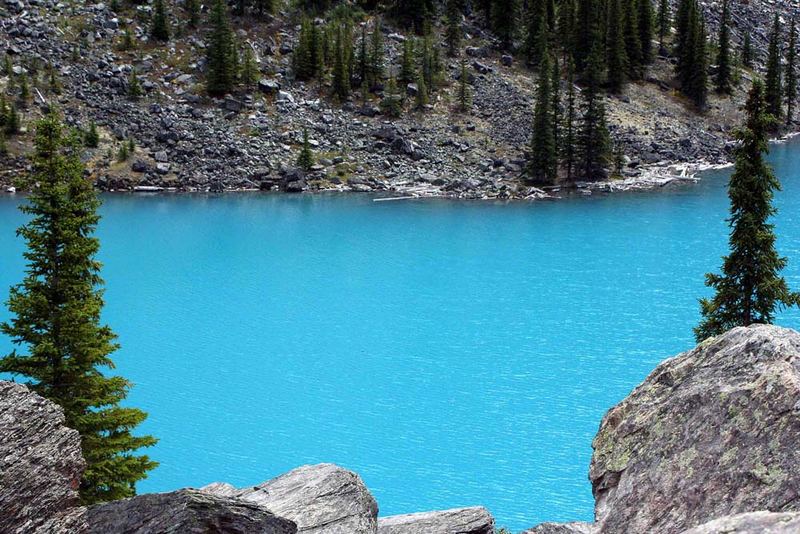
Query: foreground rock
x=185 y=511
x=710 y=433
x=321 y=499
x=457 y=521
x=40 y=465
x=752 y=523
x=563 y=528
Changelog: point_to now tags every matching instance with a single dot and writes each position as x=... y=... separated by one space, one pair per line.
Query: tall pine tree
x=722 y=79
x=750 y=289
x=790 y=88
x=543 y=162
x=773 y=90
x=593 y=139
x=220 y=61
x=55 y=318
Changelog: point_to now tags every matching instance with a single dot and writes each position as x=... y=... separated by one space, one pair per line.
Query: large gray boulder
x=563 y=528
x=752 y=523
x=40 y=465
x=711 y=432
x=475 y=520
x=184 y=512
x=321 y=499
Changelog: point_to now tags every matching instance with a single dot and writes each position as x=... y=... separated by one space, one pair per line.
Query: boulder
x=457 y=521
x=40 y=463
x=321 y=499
x=563 y=528
x=711 y=432
x=185 y=510
x=752 y=523
x=269 y=87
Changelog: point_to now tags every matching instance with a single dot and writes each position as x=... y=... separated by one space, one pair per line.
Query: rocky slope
x=706 y=444
x=189 y=142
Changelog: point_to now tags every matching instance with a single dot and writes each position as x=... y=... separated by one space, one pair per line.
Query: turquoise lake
x=452 y=353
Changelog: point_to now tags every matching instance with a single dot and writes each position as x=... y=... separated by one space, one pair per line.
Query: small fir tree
x=192 y=13
x=55 y=318
x=453 y=32
x=249 y=75
x=159 y=30
x=305 y=160
x=421 y=99
x=92 y=138
x=392 y=101
x=221 y=73
x=464 y=91
x=750 y=289
x=747 y=51
x=134 y=87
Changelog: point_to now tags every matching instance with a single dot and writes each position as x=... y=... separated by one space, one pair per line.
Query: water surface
x=452 y=353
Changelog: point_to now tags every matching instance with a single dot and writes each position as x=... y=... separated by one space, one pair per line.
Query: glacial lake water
x=452 y=353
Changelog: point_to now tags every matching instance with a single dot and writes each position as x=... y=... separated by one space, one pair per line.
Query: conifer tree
x=593 y=140
x=249 y=75
x=773 y=91
x=341 y=78
x=555 y=89
x=221 y=72
x=92 y=137
x=305 y=160
x=664 y=22
x=698 y=88
x=160 y=26
x=722 y=80
x=422 y=98
x=453 y=33
x=587 y=32
x=504 y=21
x=645 y=20
x=566 y=25
x=617 y=56
x=543 y=162
x=407 y=68
x=192 y=13
x=134 y=87
x=750 y=289
x=536 y=44
x=568 y=154
x=376 y=55
x=12 y=121
x=790 y=88
x=392 y=101
x=55 y=318
x=464 y=91
x=633 y=46
x=127 y=39
x=747 y=51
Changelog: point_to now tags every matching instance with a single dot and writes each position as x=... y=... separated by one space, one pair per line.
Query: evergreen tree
x=504 y=22
x=453 y=33
x=407 y=68
x=221 y=72
x=376 y=55
x=543 y=162
x=55 y=317
x=127 y=40
x=790 y=88
x=698 y=88
x=664 y=22
x=593 y=140
x=134 y=87
x=617 y=56
x=645 y=19
x=464 y=92
x=633 y=46
x=750 y=288
x=305 y=160
x=392 y=101
x=566 y=24
x=747 y=51
x=422 y=93
x=92 y=137
x=12 y=121
x=536 y=44
x=192 y=13
x=249 y=74
x=160 y=26
x=341 y=78
x=722 y=80
x=363 y=59
x=587 y=32
x=568 y=154
x=773 y=92
x=555 y=90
